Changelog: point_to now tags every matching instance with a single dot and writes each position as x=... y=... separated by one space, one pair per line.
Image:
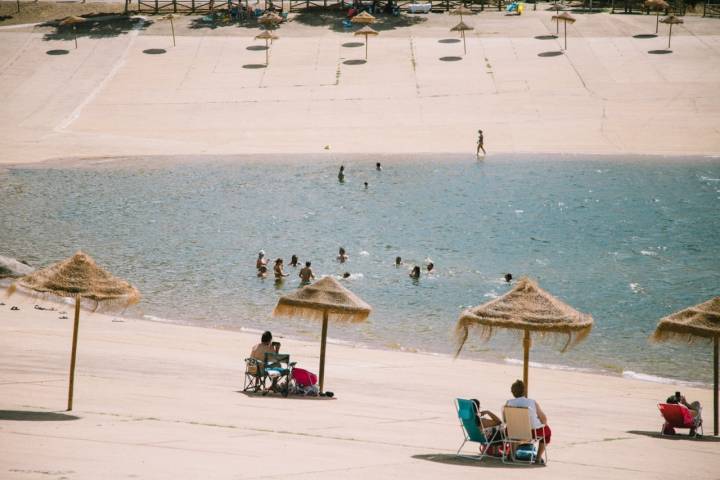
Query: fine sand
x=156 y=400
x=612 y=92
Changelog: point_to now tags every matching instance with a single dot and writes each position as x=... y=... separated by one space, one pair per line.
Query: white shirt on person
x=530 y=404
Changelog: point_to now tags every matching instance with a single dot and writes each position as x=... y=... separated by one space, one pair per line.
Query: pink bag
x=304 y=378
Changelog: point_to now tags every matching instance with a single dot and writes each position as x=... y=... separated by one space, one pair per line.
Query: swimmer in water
x=346 y=275
x=294 y=261
x=508 y=277
x=398 y=261
x=306 y=274
x=415 y=274
x=341 y=174
x=430 y=266
x=261 y=260
x=342 y=256
x=366 y=185
x=278 y=269
x=262 y=272
x=378 y=167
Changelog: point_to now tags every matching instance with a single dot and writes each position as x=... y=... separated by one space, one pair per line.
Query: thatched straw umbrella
x=171 y=17
x=366 y=31
x=658 y=6
x=266 y=35
x=526 y=308
x=73 y=20
x=671 y=20
x=699 y=322
x=270 y=20
x=363 y=18
x=461 y=10
x=320 y=300
x=565 y=18
x=462 y=28
x=556 y=6
x=78 y=277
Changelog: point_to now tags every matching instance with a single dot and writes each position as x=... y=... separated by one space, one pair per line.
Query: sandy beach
x=157 y=400
x=417 y=94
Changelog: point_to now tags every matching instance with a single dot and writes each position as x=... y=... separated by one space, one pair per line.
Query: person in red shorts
x=538 y=418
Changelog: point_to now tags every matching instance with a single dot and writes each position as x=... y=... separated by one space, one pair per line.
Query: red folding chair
x=679 y=416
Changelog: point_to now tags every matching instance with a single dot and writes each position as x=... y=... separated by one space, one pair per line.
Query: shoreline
x=507 y=361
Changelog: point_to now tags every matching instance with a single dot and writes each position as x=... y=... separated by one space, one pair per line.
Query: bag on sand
x=303 y=378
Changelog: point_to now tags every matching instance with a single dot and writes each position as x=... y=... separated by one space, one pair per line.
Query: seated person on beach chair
x=480 y=426
x=518 y=412
x=678 y=413
x=255 y=374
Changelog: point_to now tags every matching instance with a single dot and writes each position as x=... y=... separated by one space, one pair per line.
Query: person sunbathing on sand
x=694 y=408
x=306 y=274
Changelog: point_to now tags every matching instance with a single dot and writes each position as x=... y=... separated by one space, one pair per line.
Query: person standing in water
x=294 y=261
x=342 y=256
x=341 y=174
x=306 y=274
x=415 y=274
x=398 y=261
x=378 y=167
x=261 y=260
x=366 y=185
x=278 y=269
x=430 y=266
x=508 y=277
x=480 y=144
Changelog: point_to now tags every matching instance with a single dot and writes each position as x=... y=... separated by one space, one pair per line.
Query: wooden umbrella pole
x=657 y=22
x=464 y=47
x=75 y=36
x=267 y=53
x=323 y=341
x=74 y=352
x=172 y=27
x=669 y=36
x=716 y=353
x=557 y=24
x=366 y=42
x=565 y=29
x=526 y=358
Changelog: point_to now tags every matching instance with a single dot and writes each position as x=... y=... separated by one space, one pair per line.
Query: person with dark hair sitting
x=538 y=419
x=694 y=409
x=266 y=345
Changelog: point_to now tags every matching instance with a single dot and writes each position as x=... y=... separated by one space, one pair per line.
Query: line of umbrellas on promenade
x=525 y=309
x=271 y=20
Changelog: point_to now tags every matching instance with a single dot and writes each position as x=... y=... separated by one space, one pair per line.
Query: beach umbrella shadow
x=78 y=277
x=57 y=52
x=449 y=40
x=555 y=53
x=256 y=48
x=154 y=51
x=357 y=61
x=352 y=44
x=324 y=299
x=704 y=438
x=645 y=35
x=664 y=51
x=463 y=461
x=524 y=309
x=28 y=416
x=450 y=59
x=546 y=37
x=253 y=66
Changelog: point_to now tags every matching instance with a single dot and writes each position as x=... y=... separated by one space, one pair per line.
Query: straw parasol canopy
x=324 y=298
x=363 y=18
x=658 y=6
x=74 y=21
x=701 y=322
x=366 y=31
x=78 y=277
x=462 y=28
x=565 y=18
x=270 y=19
x=266 y=35
x=526 y=308
x=461 y=10
x=671 y=20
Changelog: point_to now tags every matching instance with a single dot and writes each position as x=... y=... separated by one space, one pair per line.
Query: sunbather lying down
x=694 y=408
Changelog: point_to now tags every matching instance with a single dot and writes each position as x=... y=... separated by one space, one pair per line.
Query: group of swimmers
x=341 y=174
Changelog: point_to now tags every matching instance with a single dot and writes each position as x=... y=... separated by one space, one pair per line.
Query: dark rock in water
x=9 y=267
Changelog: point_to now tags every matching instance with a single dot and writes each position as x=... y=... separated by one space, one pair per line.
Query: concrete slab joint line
x=100 y=86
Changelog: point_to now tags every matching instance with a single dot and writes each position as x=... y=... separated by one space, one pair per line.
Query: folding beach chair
x=467 y=413
x=520 y=436
x=277 y=367
x=255 y=377
x=678 y=416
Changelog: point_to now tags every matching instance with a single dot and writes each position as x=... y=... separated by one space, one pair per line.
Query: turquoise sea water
x=628 y=242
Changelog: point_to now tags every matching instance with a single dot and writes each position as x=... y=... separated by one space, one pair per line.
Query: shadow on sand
x=256 y=48
x=332 y=17
x=254 y=66
x=452 y=459
x=555 y=53
x=353 y=44
x=154 y=51
x=546 y=37
x=664 y=51
x=704 y=438
x=27 y=416
x=645 y=35
x=357 y=61
x=449 y=40
x=96 y=25
x=277 y=396
x=450 y=59
x=57 y=52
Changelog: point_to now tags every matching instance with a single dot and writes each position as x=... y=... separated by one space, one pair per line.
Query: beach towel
x=303 y=378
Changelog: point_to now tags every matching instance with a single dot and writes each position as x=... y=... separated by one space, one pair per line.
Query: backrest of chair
x=467 y=413
x=517 y=422
x=673 y=414
x=272 y=358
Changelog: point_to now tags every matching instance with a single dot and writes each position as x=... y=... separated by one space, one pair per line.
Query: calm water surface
x=627 y=242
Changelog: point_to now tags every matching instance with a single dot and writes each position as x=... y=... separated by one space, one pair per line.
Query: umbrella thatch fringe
x=680 y=337
x=285 y=310
x=700 y=322
x=486 y=332
x=98 y=305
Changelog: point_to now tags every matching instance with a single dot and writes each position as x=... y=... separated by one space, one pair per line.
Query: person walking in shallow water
x=306 y=274
x=341 y=174
x=480 y=143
